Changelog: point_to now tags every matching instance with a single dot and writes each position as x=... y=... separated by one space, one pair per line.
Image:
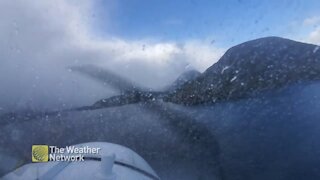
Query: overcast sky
x=148 y=41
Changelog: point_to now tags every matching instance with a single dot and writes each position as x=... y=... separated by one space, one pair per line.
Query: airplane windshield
x=192 y=90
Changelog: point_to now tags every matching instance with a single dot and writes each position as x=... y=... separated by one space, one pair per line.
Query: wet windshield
x=199 y=89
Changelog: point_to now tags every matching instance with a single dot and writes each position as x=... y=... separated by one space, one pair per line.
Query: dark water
x=272 y=136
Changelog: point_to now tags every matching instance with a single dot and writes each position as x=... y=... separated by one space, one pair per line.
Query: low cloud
x=314 y=36
x=39 y=39
x=308 y=30
x=311 y=21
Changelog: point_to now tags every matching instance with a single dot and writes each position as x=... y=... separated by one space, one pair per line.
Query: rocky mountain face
x=252 y=67
x=185 y=77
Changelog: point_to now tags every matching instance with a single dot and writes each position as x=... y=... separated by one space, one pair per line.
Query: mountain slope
x=186 y=76
x=251 y=67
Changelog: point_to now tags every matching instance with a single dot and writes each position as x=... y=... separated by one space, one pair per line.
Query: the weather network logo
x=40 y=153
x=45 y=153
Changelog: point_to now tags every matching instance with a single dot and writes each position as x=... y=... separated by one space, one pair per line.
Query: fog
x=39 y=40
x=272 y=136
